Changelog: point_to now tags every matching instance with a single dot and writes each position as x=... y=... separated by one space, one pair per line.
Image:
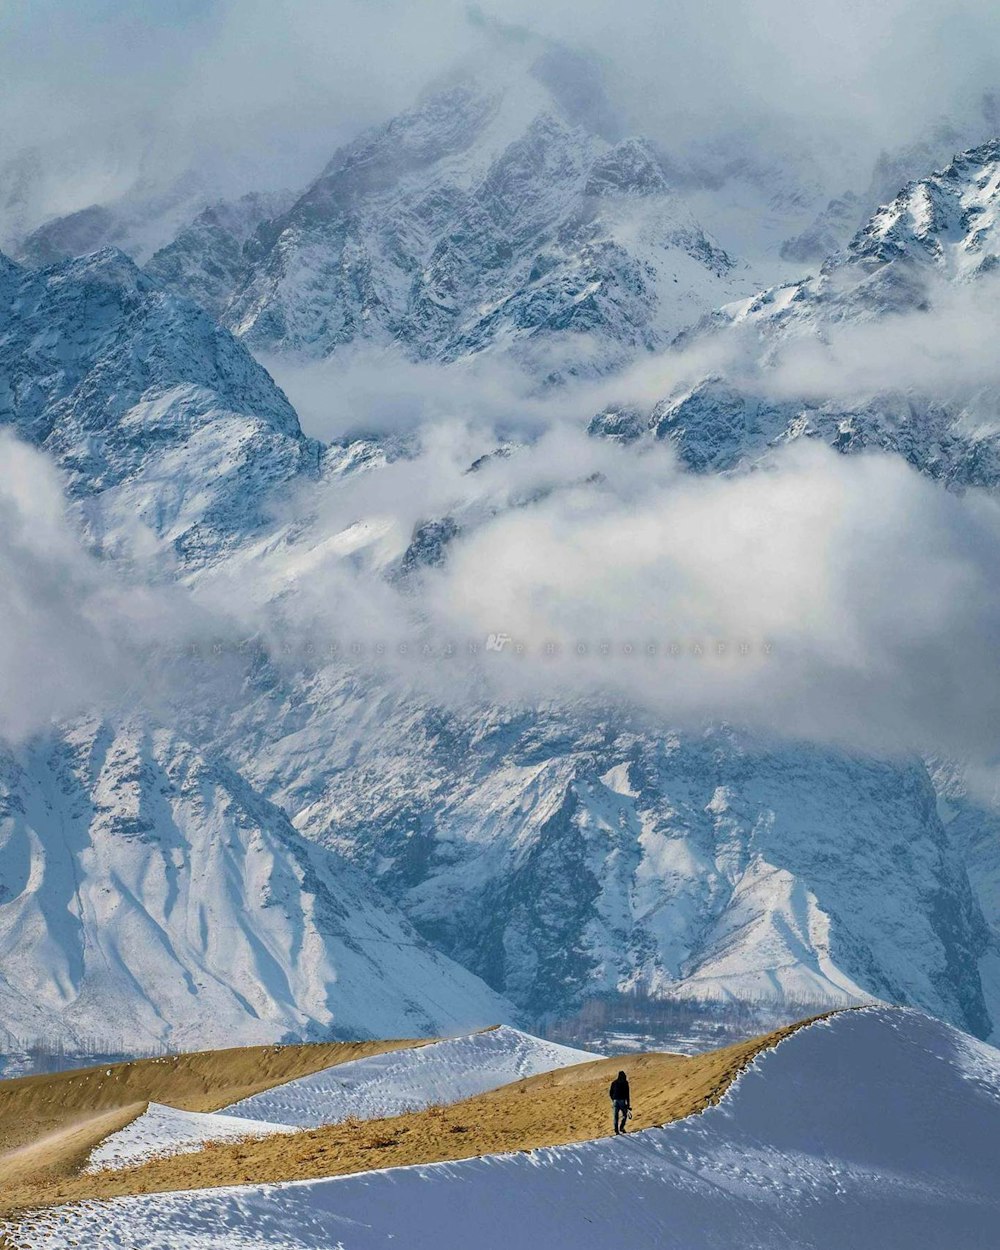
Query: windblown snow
x=163 y=1130
x=380 y=1085
x=407 y=1080
x=875 y=1129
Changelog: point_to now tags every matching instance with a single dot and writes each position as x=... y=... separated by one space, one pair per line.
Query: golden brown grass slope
x=569 y=1105
x=49 y=1124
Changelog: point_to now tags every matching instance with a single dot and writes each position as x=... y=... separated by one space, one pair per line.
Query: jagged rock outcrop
x=152 y=411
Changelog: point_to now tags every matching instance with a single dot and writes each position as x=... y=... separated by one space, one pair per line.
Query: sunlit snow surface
x=168 y=1131
x=878 y=1129
x=381 y=1085
x=405 y=1080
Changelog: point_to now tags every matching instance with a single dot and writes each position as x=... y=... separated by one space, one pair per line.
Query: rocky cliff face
x=153 y=412
x=505 y=210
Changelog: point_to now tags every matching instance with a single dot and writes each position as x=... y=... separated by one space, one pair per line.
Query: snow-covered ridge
x=365 y=1089
x=154 y=413
x=504 y=210
x=409 y=1080
x=875 y=1128
x=949 y=219
x=923 y=263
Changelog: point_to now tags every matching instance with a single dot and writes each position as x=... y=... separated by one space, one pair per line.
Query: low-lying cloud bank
x=845 y=599
x=838 y=599
x=76 y=634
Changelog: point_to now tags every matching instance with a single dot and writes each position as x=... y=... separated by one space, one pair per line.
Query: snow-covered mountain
x=844 y=214
x=554 y=853
x=560 y=855
x=153 y=412
x=506 y=208
x=935 y=240
x=148 y=896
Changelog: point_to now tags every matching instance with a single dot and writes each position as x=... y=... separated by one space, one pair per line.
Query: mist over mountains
x=538 y=546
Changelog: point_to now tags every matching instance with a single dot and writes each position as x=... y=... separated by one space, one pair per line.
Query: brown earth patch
x=49 y=1124
x=556 y=1108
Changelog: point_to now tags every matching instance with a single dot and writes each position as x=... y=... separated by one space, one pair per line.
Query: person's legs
x=620 y=1116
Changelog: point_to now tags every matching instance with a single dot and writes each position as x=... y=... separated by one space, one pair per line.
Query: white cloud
x=867 y=595
x=364 y=389
x=75 y=635
x=878 y=591
x=249 y=94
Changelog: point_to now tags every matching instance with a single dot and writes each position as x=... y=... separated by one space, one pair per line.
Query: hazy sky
x=260 y=92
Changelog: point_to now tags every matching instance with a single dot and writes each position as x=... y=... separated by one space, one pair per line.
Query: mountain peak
x=949 y=219
x=108 y=266
x=123 y=374
x=503 y=211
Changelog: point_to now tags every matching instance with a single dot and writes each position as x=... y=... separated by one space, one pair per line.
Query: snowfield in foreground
x=878 y=1128
x=381 y=1085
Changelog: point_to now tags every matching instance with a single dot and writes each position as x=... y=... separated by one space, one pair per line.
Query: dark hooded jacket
x=619 y=1090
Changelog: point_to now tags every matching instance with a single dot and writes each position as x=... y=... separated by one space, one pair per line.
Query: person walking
x=621 y=1099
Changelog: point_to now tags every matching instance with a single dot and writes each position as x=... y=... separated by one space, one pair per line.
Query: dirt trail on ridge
x=555 y=1108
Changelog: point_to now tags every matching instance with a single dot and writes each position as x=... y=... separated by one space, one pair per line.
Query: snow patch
x=862 y=1131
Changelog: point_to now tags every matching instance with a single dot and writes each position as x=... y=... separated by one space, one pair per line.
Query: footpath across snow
x=876 y=1130
x=381 y=1085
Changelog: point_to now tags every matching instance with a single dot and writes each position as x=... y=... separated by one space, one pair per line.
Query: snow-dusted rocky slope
x=932 y=243
x=876 y=1129
x=205 y=260
x=836 y=223
x=381 y=1085
x=560 y=855
x=506 y=208
x=161 y=227
x=149 y=897
x=154 y=413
